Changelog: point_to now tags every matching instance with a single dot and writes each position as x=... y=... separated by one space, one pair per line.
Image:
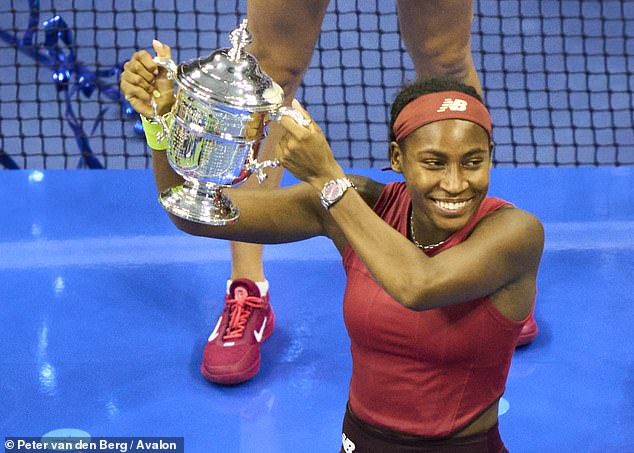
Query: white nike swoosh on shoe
x=258 y=333
x=214 y=334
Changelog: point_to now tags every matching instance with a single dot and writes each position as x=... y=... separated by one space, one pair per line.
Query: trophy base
x=200 y=202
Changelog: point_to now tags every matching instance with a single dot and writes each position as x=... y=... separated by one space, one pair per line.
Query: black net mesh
x=557 y=75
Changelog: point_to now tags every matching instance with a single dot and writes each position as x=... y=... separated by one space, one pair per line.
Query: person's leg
x=284 y=36
x=437 y=35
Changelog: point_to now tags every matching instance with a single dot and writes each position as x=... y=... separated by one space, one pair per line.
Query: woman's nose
x=453 y=180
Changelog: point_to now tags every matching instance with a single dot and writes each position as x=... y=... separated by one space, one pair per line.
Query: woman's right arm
x=266 y=216
x=141 y=81
x=272 y=216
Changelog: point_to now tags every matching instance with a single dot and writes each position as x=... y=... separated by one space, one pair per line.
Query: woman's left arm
x=505 y=247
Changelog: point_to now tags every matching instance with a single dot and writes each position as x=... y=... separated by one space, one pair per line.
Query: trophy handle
x=296 y=115
x=162 y=120
x=168 y=64
x=258 y=168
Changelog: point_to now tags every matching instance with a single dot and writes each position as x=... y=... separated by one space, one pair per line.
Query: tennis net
x=558 y=77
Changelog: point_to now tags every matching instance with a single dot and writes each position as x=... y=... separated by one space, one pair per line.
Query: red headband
x=444 y=105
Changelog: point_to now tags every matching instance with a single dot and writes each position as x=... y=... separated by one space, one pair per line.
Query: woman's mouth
x=452 y=207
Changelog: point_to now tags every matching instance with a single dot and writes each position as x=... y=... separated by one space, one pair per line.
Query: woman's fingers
x=143 y=79
x=141 y=107
x=134 y=80
x=162 y=50
x=142 y=64
x=132 y=90
x=281 y=148
x=300 y=108
x=297 y=130
x=138 y=98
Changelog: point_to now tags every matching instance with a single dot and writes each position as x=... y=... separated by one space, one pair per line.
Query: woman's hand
x=305 y=152
x=143 y=80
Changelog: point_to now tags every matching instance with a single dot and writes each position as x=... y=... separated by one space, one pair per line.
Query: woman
x=440 y=277
x=437 y=34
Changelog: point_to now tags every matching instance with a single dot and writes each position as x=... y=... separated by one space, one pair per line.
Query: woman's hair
x=418 y=88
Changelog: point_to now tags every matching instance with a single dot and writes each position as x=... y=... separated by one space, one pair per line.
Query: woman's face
x=446 y=165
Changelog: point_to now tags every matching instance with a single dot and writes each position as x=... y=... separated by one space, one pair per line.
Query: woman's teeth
x=451 y=205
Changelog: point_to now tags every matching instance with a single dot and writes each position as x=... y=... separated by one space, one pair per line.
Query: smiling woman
x=445 y=320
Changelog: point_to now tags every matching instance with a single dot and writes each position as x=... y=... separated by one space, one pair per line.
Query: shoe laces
x=240 y=309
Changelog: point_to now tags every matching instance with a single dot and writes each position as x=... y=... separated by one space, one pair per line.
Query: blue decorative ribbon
x=71 y=76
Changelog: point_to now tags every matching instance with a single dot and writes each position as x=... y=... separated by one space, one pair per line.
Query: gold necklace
x=418 y=244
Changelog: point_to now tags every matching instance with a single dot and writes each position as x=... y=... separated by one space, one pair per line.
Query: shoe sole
x=233 y=378
x=244 y=375
x=528 y=337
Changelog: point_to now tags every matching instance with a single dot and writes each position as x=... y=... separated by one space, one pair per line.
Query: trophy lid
x=231 y=77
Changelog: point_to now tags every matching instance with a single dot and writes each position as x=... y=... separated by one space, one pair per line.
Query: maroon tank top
x=427 y=373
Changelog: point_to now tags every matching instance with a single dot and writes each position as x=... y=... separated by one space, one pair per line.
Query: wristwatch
x=333 y=191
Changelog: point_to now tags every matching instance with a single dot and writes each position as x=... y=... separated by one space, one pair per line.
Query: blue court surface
x=105 y=309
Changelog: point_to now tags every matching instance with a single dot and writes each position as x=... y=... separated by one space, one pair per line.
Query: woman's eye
x=473 y=163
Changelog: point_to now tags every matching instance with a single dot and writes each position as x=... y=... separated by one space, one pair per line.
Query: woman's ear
x=396 y=157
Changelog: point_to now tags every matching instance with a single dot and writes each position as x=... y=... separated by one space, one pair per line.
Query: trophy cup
x=224 y=104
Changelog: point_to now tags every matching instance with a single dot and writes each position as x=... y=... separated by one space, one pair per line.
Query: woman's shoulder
x=509 y=213
x=516 y=225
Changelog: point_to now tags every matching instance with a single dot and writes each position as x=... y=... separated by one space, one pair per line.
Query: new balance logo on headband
x=455 y=105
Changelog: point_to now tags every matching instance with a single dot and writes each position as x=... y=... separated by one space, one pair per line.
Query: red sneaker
x=232 y=352
x=529 y=331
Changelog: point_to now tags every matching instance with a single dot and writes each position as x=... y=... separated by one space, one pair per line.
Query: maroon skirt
x=360 y=437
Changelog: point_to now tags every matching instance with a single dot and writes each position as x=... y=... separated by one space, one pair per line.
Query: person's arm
x=142 y=81
x=505 y=247
x=267 y=216
x=272 y=216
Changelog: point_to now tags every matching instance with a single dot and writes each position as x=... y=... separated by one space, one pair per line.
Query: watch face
x=332 y=191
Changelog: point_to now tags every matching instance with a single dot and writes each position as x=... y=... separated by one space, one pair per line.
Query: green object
x=154 y=129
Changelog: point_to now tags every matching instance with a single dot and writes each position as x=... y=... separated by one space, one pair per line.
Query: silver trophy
x=224 y=104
